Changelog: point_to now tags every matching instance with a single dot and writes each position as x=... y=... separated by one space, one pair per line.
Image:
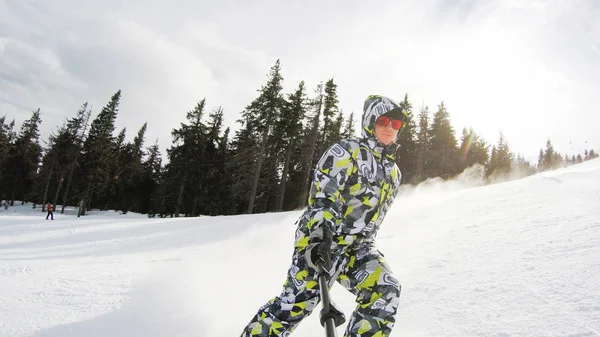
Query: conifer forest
x=264 y=166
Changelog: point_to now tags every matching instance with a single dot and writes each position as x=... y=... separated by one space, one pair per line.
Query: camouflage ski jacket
x=354 y=185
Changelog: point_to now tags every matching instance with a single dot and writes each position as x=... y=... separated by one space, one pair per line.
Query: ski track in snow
x=519 y=258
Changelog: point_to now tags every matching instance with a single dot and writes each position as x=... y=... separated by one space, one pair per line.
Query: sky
x=518 y=258
x=528 y=69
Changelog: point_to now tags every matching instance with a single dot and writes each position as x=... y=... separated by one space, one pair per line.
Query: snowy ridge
x=519 y=258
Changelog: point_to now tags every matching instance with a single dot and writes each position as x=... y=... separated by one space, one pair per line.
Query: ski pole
x=331 y=316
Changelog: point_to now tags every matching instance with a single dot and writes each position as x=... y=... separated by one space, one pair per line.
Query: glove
x=318 y=254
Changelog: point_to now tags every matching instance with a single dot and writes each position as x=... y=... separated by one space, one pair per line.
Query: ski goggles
x=384 y=121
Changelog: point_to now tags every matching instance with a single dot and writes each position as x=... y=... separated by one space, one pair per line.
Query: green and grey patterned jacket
x=355 y=183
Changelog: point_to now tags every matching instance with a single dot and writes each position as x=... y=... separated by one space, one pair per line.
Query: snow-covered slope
x=520 y=258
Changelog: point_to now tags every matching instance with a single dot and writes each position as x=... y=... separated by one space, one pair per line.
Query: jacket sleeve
x=325 y=199
x=396 y=179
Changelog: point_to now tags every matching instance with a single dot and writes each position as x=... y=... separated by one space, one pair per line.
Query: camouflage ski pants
x=364 y=273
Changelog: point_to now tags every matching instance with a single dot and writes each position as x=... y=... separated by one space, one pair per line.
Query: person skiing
x=49 y=210
x=354 y=185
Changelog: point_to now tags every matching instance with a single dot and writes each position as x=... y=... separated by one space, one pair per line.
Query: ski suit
x=355 y=183
x=49 y=210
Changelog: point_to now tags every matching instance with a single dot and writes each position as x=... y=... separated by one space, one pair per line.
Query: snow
x=519 y=258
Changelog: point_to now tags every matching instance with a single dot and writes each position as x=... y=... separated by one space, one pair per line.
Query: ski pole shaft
x=329 y=323
x=330 y=328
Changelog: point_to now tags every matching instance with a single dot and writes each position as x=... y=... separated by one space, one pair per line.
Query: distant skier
x=49 y=210
x=354 y=185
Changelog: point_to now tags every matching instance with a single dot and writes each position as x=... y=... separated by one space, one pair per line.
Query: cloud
x=160 y=78
x=517 y=66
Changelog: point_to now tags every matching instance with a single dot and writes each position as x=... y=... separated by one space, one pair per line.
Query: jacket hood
x=374 y=107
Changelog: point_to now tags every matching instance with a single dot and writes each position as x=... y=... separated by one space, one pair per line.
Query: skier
x=49 y=210
x=354 y=185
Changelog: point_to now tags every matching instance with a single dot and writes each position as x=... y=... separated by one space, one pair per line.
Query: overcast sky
x=526 y=68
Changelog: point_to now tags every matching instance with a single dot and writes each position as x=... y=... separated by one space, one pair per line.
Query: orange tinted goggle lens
x=383 y=121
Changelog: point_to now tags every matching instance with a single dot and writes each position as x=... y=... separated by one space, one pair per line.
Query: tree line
x=264 y=166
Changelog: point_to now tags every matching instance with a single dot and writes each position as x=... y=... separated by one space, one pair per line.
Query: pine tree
x=309 y=154
x=408 y=151
x=336 y=127
x=96 y=164
x=493 y=163
x=197 y=139
x=261 y=114
x=7 y=136
x=150 y=200
x=557 y=160
x=23 y=159
x=187 y=162
x=423 y=146
x=226 y=206
x=169 y=185
x=191 y=183
x=241 y=162
x=551 y=159
x=49 y=163
x=501 y=158
x=216 y=192
x=331 y=129
x=505 y=156
x=473 y=149
x=589 y=155
x=130 y=174
x=548 y=155
x=73 y=141
x=289 y=130
x=541 y=160
x=118 y=163
x=444 y=163
x=349 y=130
